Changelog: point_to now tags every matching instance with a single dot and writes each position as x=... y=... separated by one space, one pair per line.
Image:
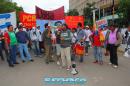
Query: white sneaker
x=58 y=63
x=115 y=66
x=110 y=63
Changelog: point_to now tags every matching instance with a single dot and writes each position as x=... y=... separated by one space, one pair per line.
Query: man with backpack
x=114 y=39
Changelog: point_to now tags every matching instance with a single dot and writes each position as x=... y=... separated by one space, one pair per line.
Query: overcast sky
x=29 y=5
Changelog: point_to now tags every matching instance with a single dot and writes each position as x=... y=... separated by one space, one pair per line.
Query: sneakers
x=110 y=63
x=115 y=66
x=58 y=63
x=68 y=68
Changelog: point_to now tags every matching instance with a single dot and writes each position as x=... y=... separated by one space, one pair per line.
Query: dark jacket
x=46 y=38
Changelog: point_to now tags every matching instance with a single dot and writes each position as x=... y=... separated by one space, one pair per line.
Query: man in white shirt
x=88 y=33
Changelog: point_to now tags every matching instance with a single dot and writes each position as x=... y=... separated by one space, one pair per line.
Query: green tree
x=124 y=12
x=72 y=12
x=7 y=6
x=88 y=14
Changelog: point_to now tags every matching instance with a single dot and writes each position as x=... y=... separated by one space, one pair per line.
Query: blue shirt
x=80 y=34
x=22 y=37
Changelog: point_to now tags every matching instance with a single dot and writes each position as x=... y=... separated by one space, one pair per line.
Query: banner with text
x=102 y=23
x=28 y=20
x=54 y=16
x=72 y=21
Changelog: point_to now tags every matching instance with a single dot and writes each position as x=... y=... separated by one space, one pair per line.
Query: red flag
x=57 y=14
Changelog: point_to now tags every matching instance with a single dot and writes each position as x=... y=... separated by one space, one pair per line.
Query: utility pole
x=113 y=10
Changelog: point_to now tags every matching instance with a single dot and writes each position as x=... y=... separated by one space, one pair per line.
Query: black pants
x=113 y=54
x=1 y=53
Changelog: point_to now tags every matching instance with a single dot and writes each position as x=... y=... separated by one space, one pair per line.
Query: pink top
x=112 y=37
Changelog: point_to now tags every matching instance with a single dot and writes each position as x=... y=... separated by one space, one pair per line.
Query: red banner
x=72 y=21
x=28 y=20
x=57 y=14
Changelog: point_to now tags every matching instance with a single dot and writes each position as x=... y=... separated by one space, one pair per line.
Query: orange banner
x=28 y=20
x=72 y=21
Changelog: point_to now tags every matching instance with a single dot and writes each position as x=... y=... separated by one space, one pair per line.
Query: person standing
x=35 y=40
x=58 y=47
x=11 y=46
x=46 y=36
x=81 y=37
x=65 y=47
x=87 y=41
x=23 y=40
x=114 y=39
x=97 y=44
x=1 y=47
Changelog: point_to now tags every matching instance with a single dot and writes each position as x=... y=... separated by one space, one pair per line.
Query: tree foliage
x=73 y=12
x=88 y=13
x=124 y=11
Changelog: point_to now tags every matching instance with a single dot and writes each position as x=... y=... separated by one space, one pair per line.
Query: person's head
x=64 y=26
x=79 y=25
x=87 y=27
x=10 y=28
x=112 y=27
x=38 y=27
x=20 y=28
x=47 y=26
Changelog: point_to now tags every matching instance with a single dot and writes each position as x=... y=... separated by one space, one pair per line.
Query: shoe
x=31 y=60
x=101 y=62
x=16 y=63
x=11 y=65
x=110 y=63
x=115 y=66
x=68 y=68
x=95 y=62
x=58 y=63
x=23 y=61
x=86 y=54
x=47 y=62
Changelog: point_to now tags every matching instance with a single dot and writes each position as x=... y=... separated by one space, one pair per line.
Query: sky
x=29 y=5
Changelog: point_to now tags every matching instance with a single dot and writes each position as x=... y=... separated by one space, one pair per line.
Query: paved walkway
x=33 y=73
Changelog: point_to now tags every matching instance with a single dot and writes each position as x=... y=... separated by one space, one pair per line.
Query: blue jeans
x=12 y=54
x=98 y=53
x=36 y=47
x=23 y=47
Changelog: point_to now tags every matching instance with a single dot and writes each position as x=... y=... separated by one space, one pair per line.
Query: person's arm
x=119 y=39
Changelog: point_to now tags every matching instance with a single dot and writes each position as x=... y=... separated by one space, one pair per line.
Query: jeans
x=12 y=54
x=98 y=53
x=86 y=47
x=23 y=47
x=36 y=47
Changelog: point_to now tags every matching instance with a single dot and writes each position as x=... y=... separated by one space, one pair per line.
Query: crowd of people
x=61 y=44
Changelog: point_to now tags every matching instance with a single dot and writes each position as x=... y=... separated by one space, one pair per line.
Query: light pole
x=113 y=10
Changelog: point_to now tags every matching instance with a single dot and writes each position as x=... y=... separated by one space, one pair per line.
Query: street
x=33 y=73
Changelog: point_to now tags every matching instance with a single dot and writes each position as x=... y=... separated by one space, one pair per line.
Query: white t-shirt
x=88 y=33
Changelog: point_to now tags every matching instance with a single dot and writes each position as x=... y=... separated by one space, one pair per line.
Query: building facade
x=104 y=7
